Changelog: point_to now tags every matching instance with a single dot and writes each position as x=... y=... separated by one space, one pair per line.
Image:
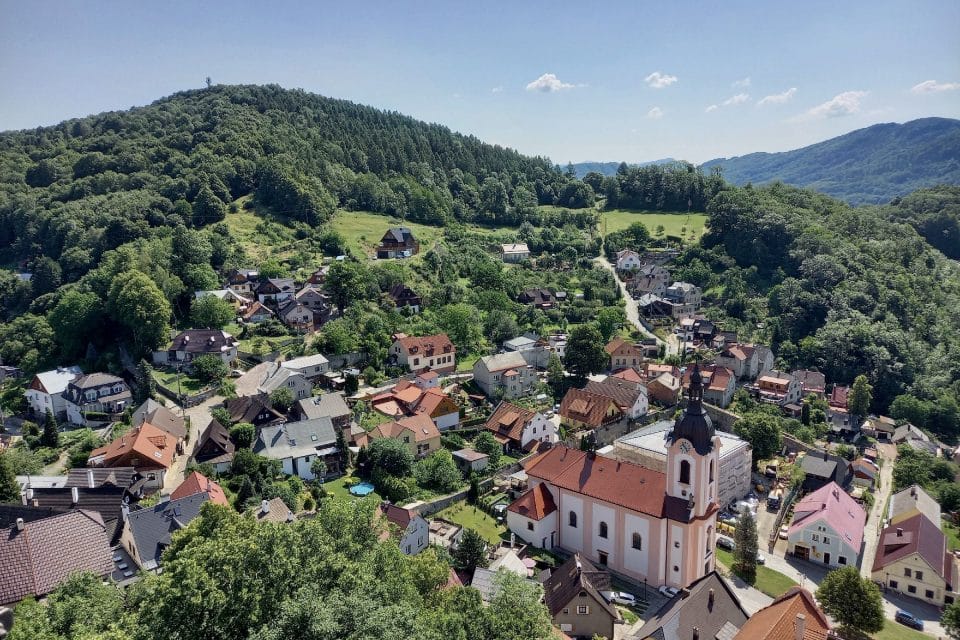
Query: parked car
x=784 y=532
x=760 y=558
x=908 y=620
x=726 y=542
x=621 y=597
x=668 y=592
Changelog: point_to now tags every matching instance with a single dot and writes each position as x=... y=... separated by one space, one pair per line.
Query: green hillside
x=871 y=165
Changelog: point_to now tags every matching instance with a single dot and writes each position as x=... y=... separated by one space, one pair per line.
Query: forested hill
x=115 y=176
x=867 y=166
x=581 y=169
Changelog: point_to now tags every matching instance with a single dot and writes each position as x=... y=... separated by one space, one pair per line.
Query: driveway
x=888 y=453
x=199 y=419
x=633 y=313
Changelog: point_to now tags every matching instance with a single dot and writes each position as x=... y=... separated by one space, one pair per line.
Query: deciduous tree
x=852 y=600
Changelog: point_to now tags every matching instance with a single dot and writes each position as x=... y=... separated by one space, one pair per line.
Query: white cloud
x=655 y=114
x=548 y=83
x=740 y=98
x=497 y=90
x=659 y=80
x=932 y=86
x=778 y=98
x=712 y=107
x=741 y=84
x=844 y=104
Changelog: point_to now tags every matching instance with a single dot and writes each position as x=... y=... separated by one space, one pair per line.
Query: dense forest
x=868 y=166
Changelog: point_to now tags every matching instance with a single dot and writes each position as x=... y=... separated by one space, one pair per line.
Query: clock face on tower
x=684 y=446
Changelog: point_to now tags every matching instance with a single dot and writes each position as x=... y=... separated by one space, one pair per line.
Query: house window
x=893 y=584
x=602 y=556
x=566 y=611
x=684 y=472
x=929 y=594
x=603 y=529
x=529 y=526
x=918 y=575
x=826 y=540
x=638 y=542
x=816 y=538
x=842 y=560
x=907 y=573
x=572 y=520
x=676 y=544
x=583 y=610
x=911 y=589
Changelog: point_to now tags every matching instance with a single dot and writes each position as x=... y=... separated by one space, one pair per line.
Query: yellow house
x=418 y=432
x=912 y=558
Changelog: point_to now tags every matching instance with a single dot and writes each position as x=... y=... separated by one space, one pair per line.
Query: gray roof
x=502 y=361
x=278 y=379
x=691 y=609
x=295 y=439
x=56 y=380
x=327 y=405
x=152 y=528
x=914 y=497
x=654 y=440
x=118 y=476
x=815 y=465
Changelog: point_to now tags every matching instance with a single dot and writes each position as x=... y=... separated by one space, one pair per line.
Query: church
x=641 y=523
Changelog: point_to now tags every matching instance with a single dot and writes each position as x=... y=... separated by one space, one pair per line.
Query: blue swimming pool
x=362 y=489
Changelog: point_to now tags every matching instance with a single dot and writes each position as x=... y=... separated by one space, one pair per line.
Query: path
x=633 y=313
x=888 y=453
x=199 y=419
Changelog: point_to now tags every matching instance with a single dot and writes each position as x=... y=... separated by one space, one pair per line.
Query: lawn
x=471 y=517
x=362 y=231
x=896 y=631
x=952 y=532
x=168 y=378
x=245 y=225
x=673 y=223
x=773 y=583
x=339 y=489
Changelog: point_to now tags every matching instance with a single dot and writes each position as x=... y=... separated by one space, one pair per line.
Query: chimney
x=710 y=597
x=264 y=506
x=74 y=495
x=29 y=494
x=899 y=532
x=90 y=478
x=799 y=626
x=20 y=524
x=913 y=491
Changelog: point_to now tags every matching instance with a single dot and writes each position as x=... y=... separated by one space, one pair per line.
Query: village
x=613 y=468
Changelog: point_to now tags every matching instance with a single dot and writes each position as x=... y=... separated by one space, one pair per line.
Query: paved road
x=633 y=314
x=199 y=419
x=875 y=518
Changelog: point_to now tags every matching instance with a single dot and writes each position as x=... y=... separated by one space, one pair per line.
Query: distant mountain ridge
x=610 y=168
x=867 y=166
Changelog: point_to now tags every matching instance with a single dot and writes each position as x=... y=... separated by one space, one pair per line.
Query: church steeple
x=694 y=424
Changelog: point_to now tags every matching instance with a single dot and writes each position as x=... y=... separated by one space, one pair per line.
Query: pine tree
x=245 y=493
x=745 y=553
x=471 y=551
x=146 y=385
x=861 y=396
x=51 y=434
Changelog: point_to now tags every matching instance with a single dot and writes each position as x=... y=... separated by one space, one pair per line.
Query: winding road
x=633 y=312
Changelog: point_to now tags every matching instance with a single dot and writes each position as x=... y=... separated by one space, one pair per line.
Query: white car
x=622 y=597
x=668 y=592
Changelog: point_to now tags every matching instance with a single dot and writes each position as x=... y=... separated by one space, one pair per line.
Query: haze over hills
x=867 y=166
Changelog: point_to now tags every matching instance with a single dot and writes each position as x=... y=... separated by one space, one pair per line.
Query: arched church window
x=684 y=472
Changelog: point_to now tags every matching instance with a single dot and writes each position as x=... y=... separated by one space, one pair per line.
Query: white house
x=514 y=252
x=193 y=343
x=827 y=528
x=297 y=444
x=508 y=373
x=416 y=353
x=516 y=428
x=413 y=529
x=311 y=367
x=628 y=260
x=45 y=392
x=283 y=378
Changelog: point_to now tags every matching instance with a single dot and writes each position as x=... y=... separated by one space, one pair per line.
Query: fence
x=781 y=515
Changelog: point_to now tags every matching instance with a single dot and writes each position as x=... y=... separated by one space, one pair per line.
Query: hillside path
x=633 y=313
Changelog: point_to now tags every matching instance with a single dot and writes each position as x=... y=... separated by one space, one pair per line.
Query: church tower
x=693 y=453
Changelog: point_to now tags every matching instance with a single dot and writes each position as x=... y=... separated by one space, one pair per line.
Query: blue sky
x=628 y=81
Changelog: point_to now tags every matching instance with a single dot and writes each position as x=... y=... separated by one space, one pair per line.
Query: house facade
x=290 y=379
x=310 y=367
x=516 y=427
x=413 y=530
x=297 y=444
x=778 y=387
x=274 y=291
x=574 y=596
x=623 y=354
x=398 y=242
x=148 y=449
x=641 y=523
x=405 y=298
x=418 y=432
x=913 y=558
x=45 y=391
x=416 y=353
x=827 y=528
x=628 y=260
x=295 y=315
x=95 y=393
x=514 y=252
x=192 y=343
x=506 y=374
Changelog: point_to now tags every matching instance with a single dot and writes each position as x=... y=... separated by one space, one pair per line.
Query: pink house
x=827 y=527
x=639 y=522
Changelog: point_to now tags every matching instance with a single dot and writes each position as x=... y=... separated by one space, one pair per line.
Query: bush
x=209 y=368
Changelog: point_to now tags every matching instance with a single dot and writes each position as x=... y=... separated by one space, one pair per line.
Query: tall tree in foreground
x=471 y=552
x=9 y=487
x=745 y=554
x=584 y=354
x=853 y=601
x=861 y=395
x=951 y=620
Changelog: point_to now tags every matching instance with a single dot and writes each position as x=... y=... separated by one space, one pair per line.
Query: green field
x=896 y=631
x=773 y=583
x=673 y=223
x=363 y=230
x=339 y=489
x=168 y=378
x=471 y=517
x=248 y=228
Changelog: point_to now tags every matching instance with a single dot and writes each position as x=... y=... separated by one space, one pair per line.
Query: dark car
x=909 y=620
